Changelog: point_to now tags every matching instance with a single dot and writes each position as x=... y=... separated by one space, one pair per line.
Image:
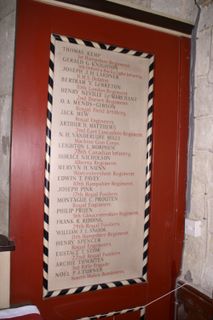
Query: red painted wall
x=35 y=23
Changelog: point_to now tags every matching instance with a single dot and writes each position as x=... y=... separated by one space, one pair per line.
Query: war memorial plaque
x=97 y=146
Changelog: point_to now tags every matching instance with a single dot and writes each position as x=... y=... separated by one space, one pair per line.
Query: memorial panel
x=96 y=164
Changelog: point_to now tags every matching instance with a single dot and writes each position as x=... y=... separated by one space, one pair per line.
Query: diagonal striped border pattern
x=148 y=166
x=143 y=278
x=117 y=313
x=47 y=163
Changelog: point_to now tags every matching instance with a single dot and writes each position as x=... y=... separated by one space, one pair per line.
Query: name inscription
x=97 y=166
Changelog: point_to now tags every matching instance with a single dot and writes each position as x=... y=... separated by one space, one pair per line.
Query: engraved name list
x=97 y=166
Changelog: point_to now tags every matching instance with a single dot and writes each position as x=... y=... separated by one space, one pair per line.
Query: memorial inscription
x=97 y=166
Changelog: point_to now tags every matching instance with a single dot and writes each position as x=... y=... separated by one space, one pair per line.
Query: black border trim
x=133 y=14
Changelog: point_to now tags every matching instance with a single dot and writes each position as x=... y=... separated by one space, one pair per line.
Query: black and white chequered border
x=148 y=166
x=117 y=313
x=143 y=278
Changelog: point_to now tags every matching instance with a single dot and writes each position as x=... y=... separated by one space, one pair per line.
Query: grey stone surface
x=204 y=103
x=5 y=112
x=197 y=207
x=7 y=36
x=210 y=247
x=205 y=18
x=210 y=216
x=204 y=135
x=198 y=252
x=210 y=75
x=203 y=52
x=209 y=190
x=203 y=166
x=194 y=256
x=6 y=7
x=198 y=187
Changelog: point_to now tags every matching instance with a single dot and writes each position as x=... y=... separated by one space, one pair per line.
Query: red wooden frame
x=35 y=23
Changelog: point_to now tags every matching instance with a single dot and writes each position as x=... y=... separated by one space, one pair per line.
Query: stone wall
x=198 y=252
x=7 y=36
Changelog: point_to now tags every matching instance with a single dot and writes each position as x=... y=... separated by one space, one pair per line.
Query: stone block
x=6 y=7
x=203 y=97
x=206 y=17
x=203 y=138
x=203 y=52
x=5 y=124
x=4 y=214
x=197 y=211
x=5 y=116
x=210 y=217
x=202 y=166
x=189 y=10
x=209 y=190
x=210 y=75
x=194 y=255
x=7 y=36
x=210 y=249
x=198 y=187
